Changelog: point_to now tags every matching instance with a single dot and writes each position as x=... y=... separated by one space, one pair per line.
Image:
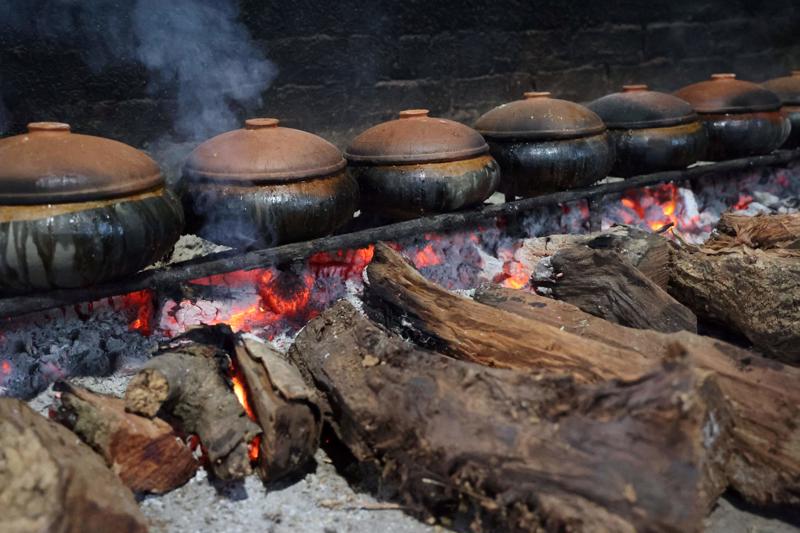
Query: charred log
x=51 y=481
x=146 y=454
x=763 y=394
x=523 y=452
x=779 y=233
x=284 y=406
x=401 y=298
x=601 y=282
x=185 y=384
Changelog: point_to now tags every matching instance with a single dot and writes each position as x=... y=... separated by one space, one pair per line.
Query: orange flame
x=243 y=395
x=643 y=201
x=426 y=257
x=142 y=303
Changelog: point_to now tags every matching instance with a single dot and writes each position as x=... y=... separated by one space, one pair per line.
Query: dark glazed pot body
x=418 y=165
x=258 y=216
x=77 y=210
x=410 y=191
x=735 y=135
x=651 y=131
x=742 y=119
x=266 y=185
x=81 y=244
x=792 y=113
x=648 y=150
x=788 y=90
x=533 y=168
x=544 y=145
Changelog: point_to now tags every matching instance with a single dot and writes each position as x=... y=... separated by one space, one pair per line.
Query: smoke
x=196 y=52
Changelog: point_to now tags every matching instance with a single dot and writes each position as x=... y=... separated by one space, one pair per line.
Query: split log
x=601 y=282
x=763 y=395
x=284 y=406
x=51 y=481
x=752 y=291
x=402 y=299
x=185 y=384
x=146 y=454
x=523 y=452
x=779 y=233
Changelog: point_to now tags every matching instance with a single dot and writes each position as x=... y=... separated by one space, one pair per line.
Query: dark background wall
x=344 y=65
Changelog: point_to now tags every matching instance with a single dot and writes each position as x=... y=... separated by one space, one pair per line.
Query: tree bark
x=779 y=233
x=763 y=395
x=402 y=299
x=146 y=454
x=185 y=383
x=522 y=452
x=284 y=406
x=602 y=282
x=51 y=481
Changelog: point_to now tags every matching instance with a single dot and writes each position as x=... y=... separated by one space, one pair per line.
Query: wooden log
x=779 y=233
x=185 y=384
x=51 y=481
x=751 y=291
x=401 y=298
x=602 y=282
x=524 y=453
x=284 y=406
x=763 y=395
x=146 y=454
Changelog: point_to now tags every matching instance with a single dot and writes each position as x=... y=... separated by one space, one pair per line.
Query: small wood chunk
x=146 y=454
x=51 y=481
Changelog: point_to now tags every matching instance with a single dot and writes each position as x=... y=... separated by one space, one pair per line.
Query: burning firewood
x=186 y=384
x=51 y=481
x=763 y=395
x=146 y=454
x=524 y=452
x=602 y=282
x=283 y=405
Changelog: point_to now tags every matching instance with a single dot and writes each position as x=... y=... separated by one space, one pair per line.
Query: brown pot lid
x=50 y=165
x=539 y=118
x=637 y=107
x=264 y=152
x=416 y=138
x=723 y=93
x=787 y=88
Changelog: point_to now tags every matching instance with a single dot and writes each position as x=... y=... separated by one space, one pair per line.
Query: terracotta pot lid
x=539 y=118
x=50 y=165
x=263 y=152
x=787 y=88
x=637 y=107
x=723 y=93
x=416 y=138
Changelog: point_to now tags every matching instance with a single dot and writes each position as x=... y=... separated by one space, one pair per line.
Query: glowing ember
x=5 y=368
x=242 y=394
x=744 y=201
x=287 y=294
x=514 y=275
x=427 y=257
x=345 y=263
x=141 y=303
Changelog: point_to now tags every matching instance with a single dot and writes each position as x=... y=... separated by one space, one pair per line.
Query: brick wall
x=349 y=64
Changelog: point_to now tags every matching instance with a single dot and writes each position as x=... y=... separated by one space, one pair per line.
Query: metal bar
x=162 y=278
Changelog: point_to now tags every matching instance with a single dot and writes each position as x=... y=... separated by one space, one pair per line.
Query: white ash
x=40 y=353
x=113 y=385
x=190 y=247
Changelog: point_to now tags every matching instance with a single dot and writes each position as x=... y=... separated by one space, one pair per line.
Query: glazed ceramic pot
x=265 y=185
x=741 y=119
x=544 y=144
x=788 y=90
x=76 y=210
x=420 y=165
x=652 y=131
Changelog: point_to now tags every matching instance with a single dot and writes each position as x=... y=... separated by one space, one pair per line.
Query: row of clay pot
x=78 y=210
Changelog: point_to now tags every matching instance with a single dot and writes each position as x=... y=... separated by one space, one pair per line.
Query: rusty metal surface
x=50 y=164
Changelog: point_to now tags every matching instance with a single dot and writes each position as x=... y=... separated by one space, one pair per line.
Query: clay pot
x=265 y=185
x=77 y=210
x=788 y=90
x=652 y=131
x=741 y=118
x=545 y=145
x=419 y=165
